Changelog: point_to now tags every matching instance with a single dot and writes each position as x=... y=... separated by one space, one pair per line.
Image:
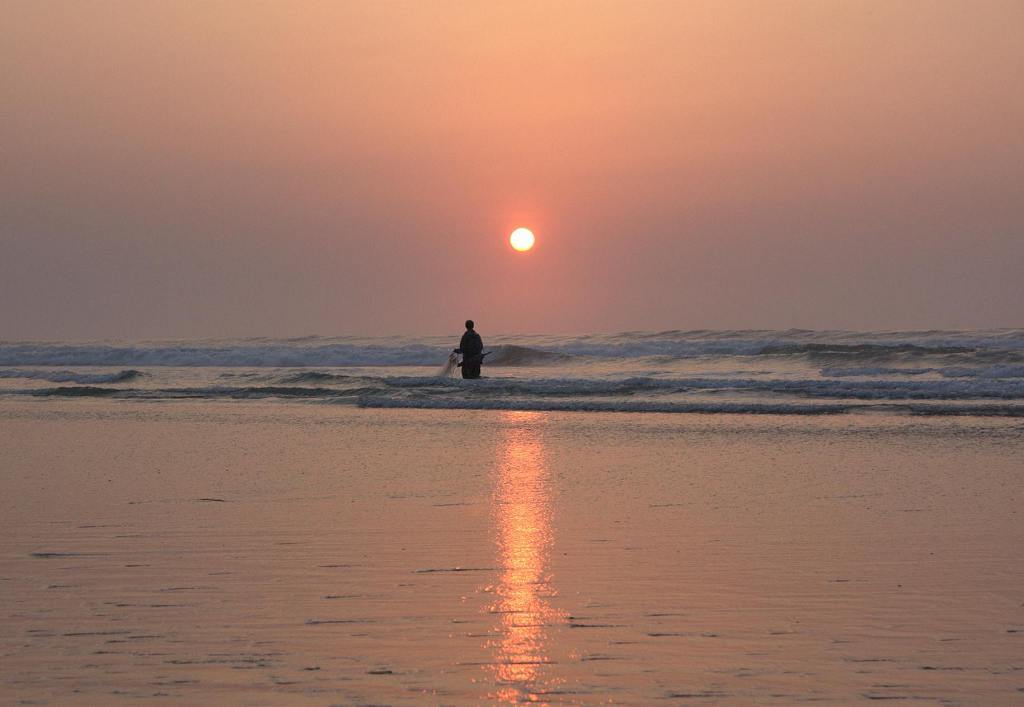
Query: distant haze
x=198 y=169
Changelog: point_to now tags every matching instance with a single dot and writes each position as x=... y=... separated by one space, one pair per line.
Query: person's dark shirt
x=471 y=345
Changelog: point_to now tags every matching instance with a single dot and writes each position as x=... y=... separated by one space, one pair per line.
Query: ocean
x=596 y=520
x=925 y=373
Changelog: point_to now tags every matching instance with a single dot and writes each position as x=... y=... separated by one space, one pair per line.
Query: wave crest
x=73 y=376
x=512 y=355
x=960 y=348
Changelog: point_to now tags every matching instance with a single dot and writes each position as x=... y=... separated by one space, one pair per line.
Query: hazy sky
x=202 y=168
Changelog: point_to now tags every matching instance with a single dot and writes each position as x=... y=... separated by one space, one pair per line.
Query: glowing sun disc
x=522 y=239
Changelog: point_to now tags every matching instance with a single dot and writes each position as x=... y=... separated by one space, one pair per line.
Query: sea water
x=273 y=552
x=244 y=521
x=767 y=372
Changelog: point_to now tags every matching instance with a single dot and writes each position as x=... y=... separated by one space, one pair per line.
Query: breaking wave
x=263 y=356
x=757 y=372
x=862 y=351
x=276 y=355
x=512 y=355
x=698 y=408
x=322 y=385
x=945 y=372
x=207 y=393
x=369 y=398
x=73 y=376
x=577 y=387
x=834 y=348
x=988 y=372
x=314 y=377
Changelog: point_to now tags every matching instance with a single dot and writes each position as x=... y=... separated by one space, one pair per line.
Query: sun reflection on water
x=523 y=533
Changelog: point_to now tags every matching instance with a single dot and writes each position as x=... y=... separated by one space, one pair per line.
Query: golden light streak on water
x=523 y=533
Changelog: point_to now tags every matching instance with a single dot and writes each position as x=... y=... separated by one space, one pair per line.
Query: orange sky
x=279 y=168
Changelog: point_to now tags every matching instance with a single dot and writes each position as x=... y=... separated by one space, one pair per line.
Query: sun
x=522 y=239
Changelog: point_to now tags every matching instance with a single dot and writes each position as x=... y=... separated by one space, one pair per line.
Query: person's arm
x=463 y=344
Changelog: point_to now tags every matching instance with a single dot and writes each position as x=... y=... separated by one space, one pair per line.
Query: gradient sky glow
x=193 y=169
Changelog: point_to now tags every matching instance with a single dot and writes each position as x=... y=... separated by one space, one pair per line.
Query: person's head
x=469 y=324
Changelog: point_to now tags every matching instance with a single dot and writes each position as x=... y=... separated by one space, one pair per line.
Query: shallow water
x=267 y=552
x=930 y=373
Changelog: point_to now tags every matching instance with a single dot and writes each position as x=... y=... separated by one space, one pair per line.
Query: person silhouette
x=472 y=349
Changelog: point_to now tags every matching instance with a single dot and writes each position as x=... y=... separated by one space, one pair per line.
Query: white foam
x=448 y=369
x=996 y=410
x=992 y=347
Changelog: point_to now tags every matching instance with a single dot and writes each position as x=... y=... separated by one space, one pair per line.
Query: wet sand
x=263 y=553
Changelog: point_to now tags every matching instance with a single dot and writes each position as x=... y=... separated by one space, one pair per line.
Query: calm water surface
x=267 y=552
